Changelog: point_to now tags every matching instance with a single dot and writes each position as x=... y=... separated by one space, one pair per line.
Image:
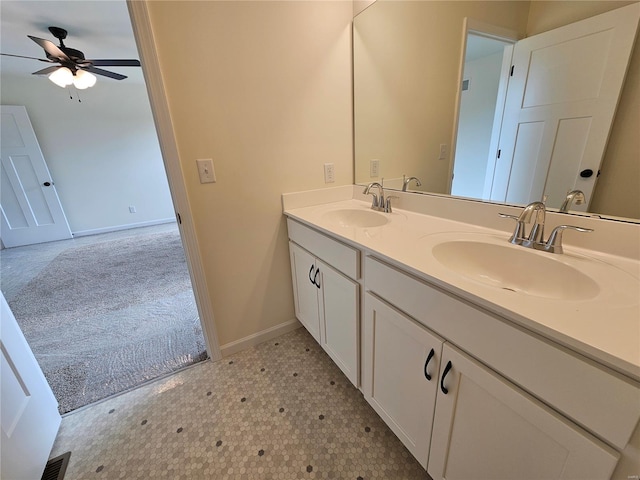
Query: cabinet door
x=339 y=320
x=487 y=428
x=398 y=357
x=305 y=291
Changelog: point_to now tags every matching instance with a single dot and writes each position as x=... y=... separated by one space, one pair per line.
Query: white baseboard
x=116 y=228
x=260 y=337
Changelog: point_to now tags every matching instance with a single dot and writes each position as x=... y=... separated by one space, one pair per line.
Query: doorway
x=100 y=150
x=479 y=97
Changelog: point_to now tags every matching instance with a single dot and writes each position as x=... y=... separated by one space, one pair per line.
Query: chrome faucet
x=535 y=239
x=537 y=231
x=574 y=196
x=405 y=182
x=378 y=202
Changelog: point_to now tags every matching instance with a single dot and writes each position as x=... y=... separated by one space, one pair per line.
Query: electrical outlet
x=206 y=171
x=443 y=151
x=132 y=209
x=329 y=173
x=374 y=168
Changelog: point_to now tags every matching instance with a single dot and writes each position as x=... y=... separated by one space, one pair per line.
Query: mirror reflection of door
x=560 y=102
x=482 y=74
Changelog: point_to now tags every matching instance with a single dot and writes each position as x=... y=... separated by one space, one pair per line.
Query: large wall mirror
x=433 y=99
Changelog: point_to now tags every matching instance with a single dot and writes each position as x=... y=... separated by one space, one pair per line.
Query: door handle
x=426 y=364
x=444 y=389
x=312 y=279
x=315 y=282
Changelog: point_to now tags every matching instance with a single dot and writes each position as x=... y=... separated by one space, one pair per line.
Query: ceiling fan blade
x=105 y=73
x=50 y=48
x=31 y=58
x=114 y=63
x=46 y=71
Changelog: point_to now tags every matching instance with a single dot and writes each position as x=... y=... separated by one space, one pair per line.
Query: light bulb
x=62 y=77
x=83 y=80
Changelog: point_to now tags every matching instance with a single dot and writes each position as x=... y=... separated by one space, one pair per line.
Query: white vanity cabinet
x=327 y=294
x=493 y=411
x=305 y=289
x=486 y=427
x=401 y=362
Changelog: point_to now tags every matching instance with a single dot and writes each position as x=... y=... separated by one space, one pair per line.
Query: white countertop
x=605 y=327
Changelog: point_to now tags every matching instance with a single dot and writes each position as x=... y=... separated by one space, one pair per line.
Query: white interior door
x=29 y=204
x=29 y=415
x=560 y=105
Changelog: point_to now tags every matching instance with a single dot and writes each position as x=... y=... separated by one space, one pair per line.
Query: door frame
x=483 y=29
x=143 y=34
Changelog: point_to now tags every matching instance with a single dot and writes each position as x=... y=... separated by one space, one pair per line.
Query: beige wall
x=404 y=111
x=263 y=88
x=618 y=189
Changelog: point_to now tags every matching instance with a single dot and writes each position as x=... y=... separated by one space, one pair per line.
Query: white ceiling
x=100 y=29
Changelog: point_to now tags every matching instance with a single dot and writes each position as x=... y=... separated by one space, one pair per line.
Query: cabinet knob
x=444 y=389
x=426 y=364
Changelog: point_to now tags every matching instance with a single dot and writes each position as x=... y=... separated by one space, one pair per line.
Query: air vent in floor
x=56 y=467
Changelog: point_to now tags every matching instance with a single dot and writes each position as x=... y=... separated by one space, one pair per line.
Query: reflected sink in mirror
x=350 y=218
x=515 y=269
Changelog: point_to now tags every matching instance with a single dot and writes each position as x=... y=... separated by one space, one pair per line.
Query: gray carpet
x=106 y=317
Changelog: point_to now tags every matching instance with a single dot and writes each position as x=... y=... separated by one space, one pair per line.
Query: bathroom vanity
x=481 y=372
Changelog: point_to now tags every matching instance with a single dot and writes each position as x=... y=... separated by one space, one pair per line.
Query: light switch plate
x=205 y=170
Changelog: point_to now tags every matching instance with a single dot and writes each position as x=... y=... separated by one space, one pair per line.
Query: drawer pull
x=444 y=389
x=426 y=364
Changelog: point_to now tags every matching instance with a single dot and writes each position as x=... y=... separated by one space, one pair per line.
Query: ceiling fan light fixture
x=62 y=77
x=82 y=79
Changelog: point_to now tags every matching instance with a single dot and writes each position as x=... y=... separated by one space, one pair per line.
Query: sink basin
x=516 y=269
x=351 y=217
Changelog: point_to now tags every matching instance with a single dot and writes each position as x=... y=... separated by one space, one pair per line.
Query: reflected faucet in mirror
x=573 y=197
x=405 y=182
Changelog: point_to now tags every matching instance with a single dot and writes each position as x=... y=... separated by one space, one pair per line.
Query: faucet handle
x=554 y=243
x=387 y=207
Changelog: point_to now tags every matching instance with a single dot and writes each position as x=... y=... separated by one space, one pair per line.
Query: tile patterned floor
x=281 y=410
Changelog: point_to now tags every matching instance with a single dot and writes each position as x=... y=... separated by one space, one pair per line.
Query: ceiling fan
x=72 y=66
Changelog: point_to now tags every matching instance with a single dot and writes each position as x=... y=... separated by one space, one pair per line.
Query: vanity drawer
x=340 y=256
x=592 y=395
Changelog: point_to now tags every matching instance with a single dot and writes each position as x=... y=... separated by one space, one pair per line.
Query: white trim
x=260 y=337
x=143 y=33
x=117 y=228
